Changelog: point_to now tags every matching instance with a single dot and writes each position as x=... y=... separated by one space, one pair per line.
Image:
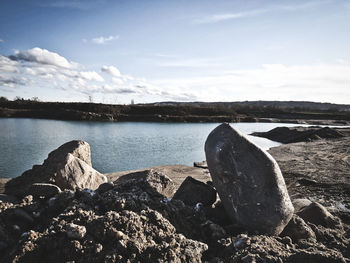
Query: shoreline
x=192 y=112
x=337 y=123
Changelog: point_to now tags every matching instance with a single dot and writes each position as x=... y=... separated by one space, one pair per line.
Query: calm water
x=114 y=146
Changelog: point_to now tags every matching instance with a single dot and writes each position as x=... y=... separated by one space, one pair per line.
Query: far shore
x=191 y=112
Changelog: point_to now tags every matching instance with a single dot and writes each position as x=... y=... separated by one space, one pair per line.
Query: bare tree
x=3 y=99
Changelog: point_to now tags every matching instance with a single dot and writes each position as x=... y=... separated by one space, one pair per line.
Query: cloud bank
x=325 y=82
x=38 y=67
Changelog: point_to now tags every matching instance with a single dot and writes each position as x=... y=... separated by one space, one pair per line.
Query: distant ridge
x=263 y=103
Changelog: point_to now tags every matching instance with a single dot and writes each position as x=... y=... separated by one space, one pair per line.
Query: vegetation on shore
x=175 y=111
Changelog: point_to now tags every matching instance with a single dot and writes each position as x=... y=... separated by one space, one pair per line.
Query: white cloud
x=216 y=18
x=1 y=40
x=73 y=4
x=91 y=75
x=117 y=81
x=7 y=65
x=111 y=70
x=43 y=56
x=190 y=63
x=210 y=19
x=103 y=40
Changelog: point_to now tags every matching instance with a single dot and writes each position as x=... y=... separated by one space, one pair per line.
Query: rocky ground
x=134 y=217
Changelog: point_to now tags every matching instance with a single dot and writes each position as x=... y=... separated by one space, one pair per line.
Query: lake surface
x=114 y=146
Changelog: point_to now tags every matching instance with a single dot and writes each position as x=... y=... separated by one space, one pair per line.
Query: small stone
x=120 y=235
x=240 y=241
x=51 y=201
x=202 y=164
x=300 y=203
x=298 y=229
x=89 y=192
x=105 y=187
x=27 y=199
x=317 y=214
x=250 y=258
x=215 y=231
x=198 y=207
x=36 y=214
x=75 y=231
x=192 y=191
x=287 y=240
x=98 y=248
x=16 y=228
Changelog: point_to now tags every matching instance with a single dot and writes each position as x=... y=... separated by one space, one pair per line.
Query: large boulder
x=68 y=167
x=248 y=181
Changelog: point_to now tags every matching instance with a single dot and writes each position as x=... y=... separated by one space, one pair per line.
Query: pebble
x=75 y=231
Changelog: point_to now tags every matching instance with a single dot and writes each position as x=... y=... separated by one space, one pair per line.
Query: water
x=114 y=146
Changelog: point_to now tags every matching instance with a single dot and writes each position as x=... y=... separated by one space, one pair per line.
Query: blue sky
x=193 y=50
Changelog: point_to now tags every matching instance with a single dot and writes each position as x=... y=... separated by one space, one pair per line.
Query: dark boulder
x=248 y=180
x=192 y=191
x=44 y=190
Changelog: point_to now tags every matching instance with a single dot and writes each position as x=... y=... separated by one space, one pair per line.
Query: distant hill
x=323 y=106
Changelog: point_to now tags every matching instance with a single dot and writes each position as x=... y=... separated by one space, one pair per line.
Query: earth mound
x=299 y=134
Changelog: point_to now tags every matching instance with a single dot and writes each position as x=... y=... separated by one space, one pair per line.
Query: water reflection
x=114 y=146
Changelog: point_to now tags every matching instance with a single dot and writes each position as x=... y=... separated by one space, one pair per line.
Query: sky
x=115 y=51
